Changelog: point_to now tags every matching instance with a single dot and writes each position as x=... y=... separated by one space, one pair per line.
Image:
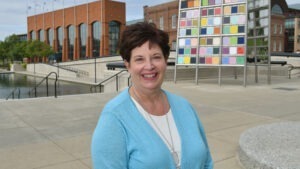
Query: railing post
x=47 y=86
x=117 y=84
x=35 y=91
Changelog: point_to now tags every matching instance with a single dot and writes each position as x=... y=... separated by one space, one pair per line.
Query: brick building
x=82 y=31
x=164 y=16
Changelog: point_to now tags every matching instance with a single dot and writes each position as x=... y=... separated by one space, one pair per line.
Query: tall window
x=174 y=21
x=114 y=33
x=50 y=37
x=41 y=35
x=82 y=39
x=276 y=9
x=32 y=35
x=71 y=41
x=161 y=23
x=60 y=37
x=275 y=28
x=96 y=38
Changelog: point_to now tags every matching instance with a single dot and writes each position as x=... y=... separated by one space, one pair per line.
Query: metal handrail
x=101 y=83
x=12 y=94
x=45 y=78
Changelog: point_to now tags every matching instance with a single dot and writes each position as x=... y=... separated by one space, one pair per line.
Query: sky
x=13 y=13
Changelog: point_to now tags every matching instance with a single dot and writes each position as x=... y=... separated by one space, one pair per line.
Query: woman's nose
x=149 y=64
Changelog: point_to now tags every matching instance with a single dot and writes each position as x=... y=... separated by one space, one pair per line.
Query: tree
x=38 y=49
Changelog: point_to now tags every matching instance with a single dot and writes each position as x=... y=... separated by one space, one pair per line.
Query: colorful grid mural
x=212 y=32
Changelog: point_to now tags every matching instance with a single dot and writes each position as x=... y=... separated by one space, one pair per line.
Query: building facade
x=79 y=32
x=165 y=17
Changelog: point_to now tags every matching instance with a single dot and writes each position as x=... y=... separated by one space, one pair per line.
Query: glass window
x=96 y=38
x=82 y=40
x=60 y=37
x=71 y=41
x=279 y=46
x=274 y=46
x=161 y=23
x=276 y=9
x=41 y=35
x=50 y=37
x=174 y=21
x=114 y=33
x=32 y=35
x=275 y=28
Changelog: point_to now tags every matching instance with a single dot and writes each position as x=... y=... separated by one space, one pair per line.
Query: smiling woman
x=145 y=126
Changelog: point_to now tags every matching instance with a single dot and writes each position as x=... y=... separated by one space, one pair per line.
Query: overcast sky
x=13 y=13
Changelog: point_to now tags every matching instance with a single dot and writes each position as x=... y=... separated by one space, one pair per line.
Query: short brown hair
x=137 y=34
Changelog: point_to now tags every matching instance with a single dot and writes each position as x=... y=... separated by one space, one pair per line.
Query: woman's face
x=147 y=66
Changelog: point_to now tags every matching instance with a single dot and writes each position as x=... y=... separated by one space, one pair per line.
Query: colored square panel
x=209 y=51
x=227 y=1
x=195 y=31
x=233 y=29
x=232 y=60
x=188 y=42
x=233 y=40
x=208 y=60
x=181 y=42
x=189 y=14
x=203 y=31
x=217 y=30
x=180 y=60
x=234 y=19
x=217 y=20
x=216 y=50
x=202 y=50
x=183 y=14
x=182 y=32
x=209 y=41
x=215 y=60
x=193 y=60
x=211 y=11
x=194 y=51
x=190 y=4
x=188 y=32
x=240 y=60
x=194 y=42
x=186 y=60
x=187 y=51
x=225 y=60
x=225 y=50
x=234 y=9
x=211 y=2
x=241 y=9
x=210 y=21
x=227 y=10
x=204 y=2
x=195 y=22
x=241 y=29
x=241 y=19
x=196 y=3
x=210 y=31
x=217 y=11
x=196 y=13
x=226 y=30
x=189 y=23
x=232 y=50
x=184 y=4
x=216 y=41
x=203 y=21
x=226 y=41
x=181 y=51
x=241 y=50
x=226 y=20
x=203 y=41
x=202 y=60
x=218 y=2
x=204 y=12
x=183 y=23
x=241 y=40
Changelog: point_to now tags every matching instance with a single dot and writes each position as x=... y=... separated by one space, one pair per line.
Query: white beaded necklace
x=171 y=145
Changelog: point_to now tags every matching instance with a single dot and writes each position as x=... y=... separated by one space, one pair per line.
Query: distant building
x=134 y=21
x=79 y=32
x=292 y=30
x=22 y=37
x=165 y=17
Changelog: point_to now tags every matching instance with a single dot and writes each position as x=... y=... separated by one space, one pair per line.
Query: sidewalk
x=49 y=133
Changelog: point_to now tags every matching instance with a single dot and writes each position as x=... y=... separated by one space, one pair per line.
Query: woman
x=145 y=127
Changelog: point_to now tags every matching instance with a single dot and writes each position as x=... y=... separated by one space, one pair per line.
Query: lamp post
x=94 y=54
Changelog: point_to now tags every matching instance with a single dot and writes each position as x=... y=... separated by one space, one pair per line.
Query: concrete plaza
x=55 y=133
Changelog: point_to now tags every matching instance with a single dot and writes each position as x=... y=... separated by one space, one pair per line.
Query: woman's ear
x=126 y=63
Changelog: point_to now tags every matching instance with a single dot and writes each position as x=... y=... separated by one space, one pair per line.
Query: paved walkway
x=49 y=133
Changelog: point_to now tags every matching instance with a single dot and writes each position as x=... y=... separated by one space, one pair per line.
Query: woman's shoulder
x=118 y=102
x=175 y=97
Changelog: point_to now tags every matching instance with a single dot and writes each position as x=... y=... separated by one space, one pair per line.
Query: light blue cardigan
x=123 y=139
